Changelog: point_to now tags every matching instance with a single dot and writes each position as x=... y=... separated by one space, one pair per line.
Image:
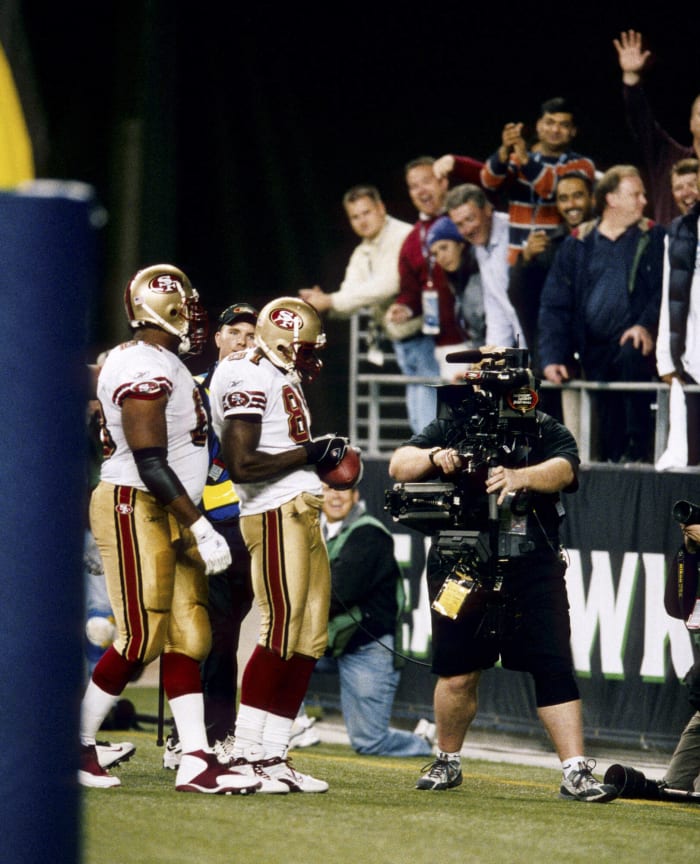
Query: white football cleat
x=172 y=753
x=258 y=769
x=201 y=771
x=109 y=755
x=91 y=773
x=425 y=729
x=282 y=771
x=303 y=733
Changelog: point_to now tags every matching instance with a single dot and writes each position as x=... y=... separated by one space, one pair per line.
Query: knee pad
x=554 y=686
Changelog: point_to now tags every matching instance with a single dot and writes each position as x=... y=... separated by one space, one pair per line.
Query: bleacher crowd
x=535 y=246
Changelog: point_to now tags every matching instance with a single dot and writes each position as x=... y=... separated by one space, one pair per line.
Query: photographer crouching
x=490 y=469
x=681 y=782
x=684 y=769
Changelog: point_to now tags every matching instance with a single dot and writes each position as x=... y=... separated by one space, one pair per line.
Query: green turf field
x=372 y=815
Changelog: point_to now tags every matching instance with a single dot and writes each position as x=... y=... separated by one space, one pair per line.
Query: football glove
x=327 y=451
x=211 y=546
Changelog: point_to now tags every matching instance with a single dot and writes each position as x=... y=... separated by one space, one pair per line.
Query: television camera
x=492 y=421
x=492 y=413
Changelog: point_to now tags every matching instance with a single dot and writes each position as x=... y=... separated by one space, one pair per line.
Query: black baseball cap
x=237 y=312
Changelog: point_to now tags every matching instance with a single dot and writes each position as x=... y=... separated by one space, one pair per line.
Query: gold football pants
x=291 y=576
x=155 y=576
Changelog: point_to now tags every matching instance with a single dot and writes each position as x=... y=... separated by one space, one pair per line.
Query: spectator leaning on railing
x=600 y=309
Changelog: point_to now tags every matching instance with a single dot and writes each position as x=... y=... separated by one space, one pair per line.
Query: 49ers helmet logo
x=288 y=332
x=285 y=319
x=165 y=284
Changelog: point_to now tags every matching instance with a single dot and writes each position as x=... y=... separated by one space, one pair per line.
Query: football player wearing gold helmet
x=260 y=415
x=155 y=545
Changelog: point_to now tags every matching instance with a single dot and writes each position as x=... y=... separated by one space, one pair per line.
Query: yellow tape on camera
x=451 y=597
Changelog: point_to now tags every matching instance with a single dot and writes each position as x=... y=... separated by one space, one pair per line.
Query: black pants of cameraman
x=525 y=624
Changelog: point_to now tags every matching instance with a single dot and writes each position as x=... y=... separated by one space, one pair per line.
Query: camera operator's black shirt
x=552 y=439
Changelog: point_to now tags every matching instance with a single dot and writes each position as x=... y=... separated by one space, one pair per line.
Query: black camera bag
x=682 y=585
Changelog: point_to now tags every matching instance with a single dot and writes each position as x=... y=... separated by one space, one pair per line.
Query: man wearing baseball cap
x=230 y=592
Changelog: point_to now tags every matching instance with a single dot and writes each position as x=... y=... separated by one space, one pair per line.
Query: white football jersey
x=248 y=383
x=139 y=370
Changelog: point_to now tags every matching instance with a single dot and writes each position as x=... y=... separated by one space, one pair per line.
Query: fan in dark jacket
x=599 y=311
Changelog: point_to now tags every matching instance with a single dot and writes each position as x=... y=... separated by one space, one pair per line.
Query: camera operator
x=681 y=782
x=516 y=605
x=683 y=771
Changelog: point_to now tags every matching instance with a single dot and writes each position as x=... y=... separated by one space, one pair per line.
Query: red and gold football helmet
x=163 y=296
x=289 y=332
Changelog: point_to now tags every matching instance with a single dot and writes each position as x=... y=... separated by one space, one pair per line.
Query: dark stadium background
x=222 y=137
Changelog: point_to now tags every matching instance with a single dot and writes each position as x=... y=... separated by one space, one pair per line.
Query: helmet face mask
x=289 y=332
x=307 y=363
x=162 y=296
x=196 y=339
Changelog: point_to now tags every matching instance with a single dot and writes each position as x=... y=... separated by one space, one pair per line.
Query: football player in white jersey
x=155 y=544
x=260 y=415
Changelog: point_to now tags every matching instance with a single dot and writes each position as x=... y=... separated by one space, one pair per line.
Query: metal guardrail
x=377 y=403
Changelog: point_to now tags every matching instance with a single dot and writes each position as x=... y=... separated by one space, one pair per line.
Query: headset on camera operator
x=681 y=781
x=492 y=468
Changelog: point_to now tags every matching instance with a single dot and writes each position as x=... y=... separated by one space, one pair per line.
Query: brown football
x=346 y=474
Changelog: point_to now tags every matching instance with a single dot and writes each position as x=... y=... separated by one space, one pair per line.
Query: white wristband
x=201 y=529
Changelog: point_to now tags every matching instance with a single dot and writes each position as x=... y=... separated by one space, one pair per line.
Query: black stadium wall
x=630 y=656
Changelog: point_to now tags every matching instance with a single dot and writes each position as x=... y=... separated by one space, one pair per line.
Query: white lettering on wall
x=402 y=553
x=602 y=612
x=607 y=612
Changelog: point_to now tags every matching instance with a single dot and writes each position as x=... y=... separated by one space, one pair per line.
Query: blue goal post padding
x=48 y=254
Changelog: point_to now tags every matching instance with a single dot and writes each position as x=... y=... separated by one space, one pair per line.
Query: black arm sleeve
x=160 y=479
